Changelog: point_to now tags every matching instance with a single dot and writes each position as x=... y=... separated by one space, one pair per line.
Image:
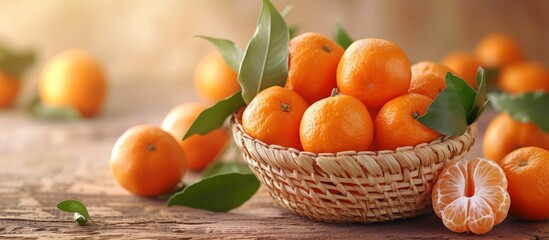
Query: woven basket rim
x=438 y=141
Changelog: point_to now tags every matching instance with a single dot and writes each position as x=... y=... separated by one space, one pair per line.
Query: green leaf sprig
x=231 y=54
x=37 y=109
x=457 y=106
x=81 y=215
x=341 y=36
x=15 y=64
x=526 y=107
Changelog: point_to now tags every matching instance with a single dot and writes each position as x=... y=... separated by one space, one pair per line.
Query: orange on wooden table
x=464 y=65
x=199 y=150
x=74 y=78
x=428 y=78
x=498 y=50
x=9 y=88
x=524 y=77
x=147 y=161
x=214 y=80
x=471 y=195
x=337 y=123
x=527 y=170
x=374 y=71
x=313 y=64
x=504 y=134
x=274 y=115
x=396 y=124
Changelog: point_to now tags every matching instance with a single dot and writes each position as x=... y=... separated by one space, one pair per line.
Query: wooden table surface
x=42 y=163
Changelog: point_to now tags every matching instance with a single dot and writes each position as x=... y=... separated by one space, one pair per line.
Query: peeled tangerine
x=471 y=195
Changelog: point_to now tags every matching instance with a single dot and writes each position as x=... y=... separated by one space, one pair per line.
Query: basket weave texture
x=352 y=186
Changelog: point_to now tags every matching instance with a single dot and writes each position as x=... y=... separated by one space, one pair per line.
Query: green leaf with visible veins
x=231 y=53
x=219 y=193
x=447 y=114
x=341 y=36
x=526 y=107
x=74 y=206
x=265 y=61
x=213 y=117
x=480 y=99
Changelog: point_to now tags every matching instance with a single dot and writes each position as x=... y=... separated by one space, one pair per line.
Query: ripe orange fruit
x=527 y=171
x=199 y=150
x=147 y=161
x=497 y=50
x=273 y=116
x=524 y=77
x=337 y=123
x=471 y=195
x=374 y=71
x=9 y=88
x=504 y=134
x=214 y=80
x=428 y=78
x=313 y=65
x=464 y=65
x=73 y=79
x=396 y=123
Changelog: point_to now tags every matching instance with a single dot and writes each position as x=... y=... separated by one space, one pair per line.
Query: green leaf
x=525 y=107
x=447 y=114
x=219 y=167
x=480 y=98
x=219 y=193
x=15 y=64
x=39 y=110
x=213 y=117
x=79 y=219
x=74 y=206
x=341 y=36
x=231 y=53
x=265 y=61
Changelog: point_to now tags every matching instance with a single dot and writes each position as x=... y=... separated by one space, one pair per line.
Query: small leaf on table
x=231 y=53
x=341 y=36
x=526 y=107
x=39 y=110
x=213 y=117
x=265 y=61
x=74 y=206
x=219 y=193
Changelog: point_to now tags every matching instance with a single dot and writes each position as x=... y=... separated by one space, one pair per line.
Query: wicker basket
x=350 y=186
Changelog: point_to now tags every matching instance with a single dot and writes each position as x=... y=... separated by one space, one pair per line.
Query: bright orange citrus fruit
x=428 y=78
x=497 y=50
x=524 y=77
x=214 y=80
x=464 y=65
x=9 y=88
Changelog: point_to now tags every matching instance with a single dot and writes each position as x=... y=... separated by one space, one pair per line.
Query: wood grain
x=42 y=163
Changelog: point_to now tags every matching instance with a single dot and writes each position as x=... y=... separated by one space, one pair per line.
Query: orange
x=273 y=116
x=471 y=195
x=527 y=171
x=147 y=161
x=524 y=77
x=337 y=123
x=464 y=65
x=497 y=50
x=428 y=78
x=374 y=71
x=74 y=79
x=214 y=80
x=504 y=134
x=199 y=150
x=9 y=88
x=313 y=65
x=396 y=123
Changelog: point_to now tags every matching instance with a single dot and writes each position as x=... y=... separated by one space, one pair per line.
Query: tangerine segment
x=274 y=115
x=313 y=64
x=528 y=172
x=374 y=71
x=335 y=124
x=396 y=123
x=471 y=195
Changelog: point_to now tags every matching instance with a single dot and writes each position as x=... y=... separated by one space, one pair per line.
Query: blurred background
x=142 y=41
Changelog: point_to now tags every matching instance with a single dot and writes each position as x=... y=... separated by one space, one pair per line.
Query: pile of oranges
x=366 y=97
